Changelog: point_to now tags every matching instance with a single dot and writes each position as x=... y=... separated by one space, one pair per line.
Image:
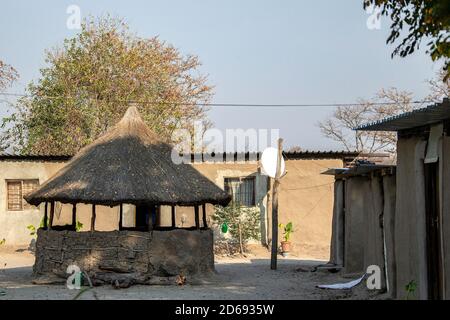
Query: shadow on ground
x=234 y=279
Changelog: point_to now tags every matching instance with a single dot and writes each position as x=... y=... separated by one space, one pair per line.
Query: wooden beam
x=45 y=215
x=274 y=252
x=93 y=218
x=173 y=217
x=197 y=218
x=74 y=215
x=52 y=213
x=121 y=216
x=205 y=224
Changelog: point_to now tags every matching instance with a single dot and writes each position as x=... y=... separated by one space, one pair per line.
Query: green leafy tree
x=88 y=83
x=243 y=223
x=417 y=20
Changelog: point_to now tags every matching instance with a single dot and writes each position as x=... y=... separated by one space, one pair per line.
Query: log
x=93 y=218
x=52 y=213
x=74 y=216
x=173 y=217
x=125 y=280
x=274 y=251
x=205 y=223
x=197 y=218
x=45 y=215
x=120 y=216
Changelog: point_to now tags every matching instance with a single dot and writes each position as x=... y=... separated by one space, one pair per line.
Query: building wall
x=13 y=223
x=410 y=225
x=363 y=225
x=141 y=256
x=305 y=198
x=445 y=191
x=337 y=228
x=356 y=191
x=389 y=189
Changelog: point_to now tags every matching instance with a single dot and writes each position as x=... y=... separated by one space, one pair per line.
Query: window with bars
x=16 y=189
x=242 y=190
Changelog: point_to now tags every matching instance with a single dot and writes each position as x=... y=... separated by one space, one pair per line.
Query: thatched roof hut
x=129 y=164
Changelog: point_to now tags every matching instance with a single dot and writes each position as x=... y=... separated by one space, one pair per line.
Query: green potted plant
x=286 y=244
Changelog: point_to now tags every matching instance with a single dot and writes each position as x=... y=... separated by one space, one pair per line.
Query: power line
x=257 y=105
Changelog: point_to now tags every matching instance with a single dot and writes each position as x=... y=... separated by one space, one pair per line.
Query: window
x=16 y=189
x=242 y=190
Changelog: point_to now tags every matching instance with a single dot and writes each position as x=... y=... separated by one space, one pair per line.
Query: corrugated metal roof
x=307 y=154
x=335 y=171
x=358 y=170
x=408 y=120
x=34 y=157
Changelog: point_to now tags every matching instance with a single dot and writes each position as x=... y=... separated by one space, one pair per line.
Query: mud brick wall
x=157 y=253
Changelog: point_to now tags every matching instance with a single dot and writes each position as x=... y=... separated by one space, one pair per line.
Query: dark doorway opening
x=433 y=229
x=146 y=216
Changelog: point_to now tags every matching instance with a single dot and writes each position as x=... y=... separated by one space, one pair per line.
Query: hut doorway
x=433 y=231
x=146 y=216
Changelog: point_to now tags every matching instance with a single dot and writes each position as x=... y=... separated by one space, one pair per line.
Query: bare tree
x=387 y=102
x=295 y=149
x=439 y=87
x=339 y=126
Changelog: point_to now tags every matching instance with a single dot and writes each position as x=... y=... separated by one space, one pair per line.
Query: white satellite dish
x=269 y=159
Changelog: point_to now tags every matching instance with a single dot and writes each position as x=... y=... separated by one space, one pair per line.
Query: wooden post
x=173 y=217
x=205 y=224
x=152 y=225
x=52 y=213
x=120 y=216
x=157 y=216
x=197 y=218
x=74 y=216
x=93 y=218
x=45 y=215
x=273 y=259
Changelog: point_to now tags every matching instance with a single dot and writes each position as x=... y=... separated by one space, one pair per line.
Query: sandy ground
x=236 y=278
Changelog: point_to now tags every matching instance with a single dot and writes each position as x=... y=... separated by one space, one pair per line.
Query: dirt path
x=237 y=278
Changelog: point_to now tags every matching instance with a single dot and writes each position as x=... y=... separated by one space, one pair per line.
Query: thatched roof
x=128 y=164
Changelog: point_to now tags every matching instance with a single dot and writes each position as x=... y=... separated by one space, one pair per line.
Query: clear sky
x=292 y=52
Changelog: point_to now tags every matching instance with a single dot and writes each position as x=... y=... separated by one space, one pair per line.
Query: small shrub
x=243 y=223
x=287 y=230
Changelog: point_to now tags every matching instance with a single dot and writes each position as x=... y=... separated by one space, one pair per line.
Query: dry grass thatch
x=128 y=164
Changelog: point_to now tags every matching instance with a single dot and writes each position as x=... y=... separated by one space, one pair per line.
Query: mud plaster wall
x=13 y=224
x=445 y=163
x=337 y=233
x=160 y=253
x=389 y=188
x=373 y=217
x=355 y=190
x=410 y=232
x=370 y=203
x=306 y=199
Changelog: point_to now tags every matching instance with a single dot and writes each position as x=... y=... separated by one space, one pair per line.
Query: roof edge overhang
x=429 y=115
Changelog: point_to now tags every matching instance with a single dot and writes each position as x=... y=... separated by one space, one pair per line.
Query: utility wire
x=258 y=105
